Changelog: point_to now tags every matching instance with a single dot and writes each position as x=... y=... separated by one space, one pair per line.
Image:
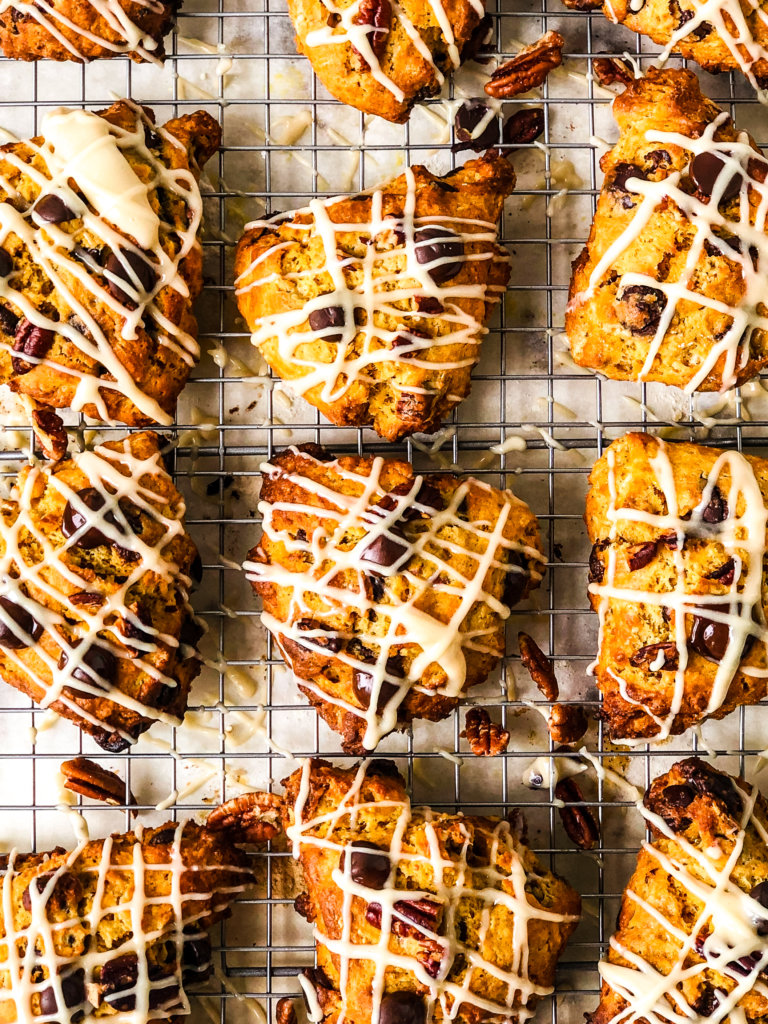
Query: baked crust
x=82 y=341
x=486 y=870
x=352 y=627
x=699 y=818
x=385 y=72
x=654 y=570
x=111 y=950
x=78 y=30
x=284 y=266
x=665 y=289
x=111 y=639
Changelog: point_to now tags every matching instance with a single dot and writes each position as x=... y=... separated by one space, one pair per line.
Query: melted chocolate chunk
x=711 y=639
x=369 y=864
x=716 y=510
x=52 y=209
x=479 y=45
x=706 y=170
x=6 y=263
x=760 y=893
x=196 y=958
x=73 y=520
x=384 y=550
x=8 y=320
x=678 y=796
x=640 y=555
x=97 y=667
x=622 y=173
x=142 y=270
x=325 y=317
x=362 y=685
x=428 y=304
x=73 y=990
x=469 y=115
x=117 y=976
x=402 y=1008
x=331 y=642
x=724 y=574
x=708 y=780
x=26 y=623
x=163 y=837
x=435 y=243
x=639 y=309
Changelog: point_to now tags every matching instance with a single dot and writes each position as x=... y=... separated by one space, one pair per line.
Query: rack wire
x=232 y=417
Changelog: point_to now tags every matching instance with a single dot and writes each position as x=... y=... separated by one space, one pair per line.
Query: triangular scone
x=691 y=941
x=387 y=591
x=374 y=306
x=115 y=928
x=85 y=30
x=383 y=57
x=671 y=284
x=419 y=915
x=100 y=261
x=95 y=566
x=677 y=577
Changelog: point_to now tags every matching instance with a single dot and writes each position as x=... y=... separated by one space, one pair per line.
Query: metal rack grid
x=521 y=380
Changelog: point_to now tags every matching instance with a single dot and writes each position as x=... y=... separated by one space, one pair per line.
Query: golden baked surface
x=690 y=942
x=373 y=307
x=676 y=571
x=95 y=567
x=118 y=925
x=381 y=57
x=82 y=30
x=375 y=580
x=417 y=909
x=670 y=286
x=98 y=270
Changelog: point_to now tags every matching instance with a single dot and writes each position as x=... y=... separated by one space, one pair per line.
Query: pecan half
x=87 y=599
x=640 y=555
x=378 y=15
x=523 y=127
x=251 y=817
x=50 y=432
x=579 y=822
x=539 y=666
x=285 y=1011
x=663 y=655
x=528 y=68
x=83 y=776
x=567 y=723
x=485 y=738
x=609 y=70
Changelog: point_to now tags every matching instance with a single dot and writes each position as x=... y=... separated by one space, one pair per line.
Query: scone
x=84 y=30
x=419 y=914
x=95 y=566
x=387 y=591
x=690 y=941
x=670 y=286
x=383 y=57
x=117 y=926
x=373 y=306
x=677 y=578
x=100 y=261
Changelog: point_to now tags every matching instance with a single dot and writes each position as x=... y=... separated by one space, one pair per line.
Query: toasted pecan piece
x=567 y=723
x=527 y=69
x=83 y=776
x=285 y=1011
x=609 y=70
x=250 y=817
x=50 y=432
x=485 y=738
x=578 y=821
x=539 y=666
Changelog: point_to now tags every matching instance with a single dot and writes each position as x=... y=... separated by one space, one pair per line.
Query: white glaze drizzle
x=131 y=39
x=400 y=622
x=97 y=625
x=452 y=880
x=743 y=537
x=31 y=953
x=750 y=229
x=724 y=936
x=351 y=28
x=105 y=177
x=367 y=351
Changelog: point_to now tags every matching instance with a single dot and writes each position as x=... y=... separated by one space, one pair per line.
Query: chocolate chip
x=708 y=780
x=678 y=796
x=8 y=320
x=97 y=665
x=331 y=642
x=428 y=304
x=73 y=990
x=434 y=244
x=73 y=520
x=640 y=308
x=706 y=1002
x=402 y=1008
x=369 y=865
x=53 y=209
x=760 y=893
x=163 y=837
x=26 y=623
x=407 y=340
x=469 y=115
x=706 y=168
x=384 y=550
x=117 y=976
x=362 y=685
x=658 y=158
x=640 y=555
x=87 y=256
x=621 y=174
x=142 y=270
x=6 y=263
x=152 y=139
x=326 y=317
x=711 y=639
x=112 y=742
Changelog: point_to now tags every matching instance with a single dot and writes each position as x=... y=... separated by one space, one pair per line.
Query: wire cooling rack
x=285 y=140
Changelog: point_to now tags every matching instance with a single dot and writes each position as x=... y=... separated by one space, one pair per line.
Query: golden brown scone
x=676 y=575
x=375 y=581
x=670 y=286
x=404 y=899
x=119 y=925
x=383 y=58
x=380 y=323
x=95 y=566
x=99 y=268
x=690 y=942
x=83 y=30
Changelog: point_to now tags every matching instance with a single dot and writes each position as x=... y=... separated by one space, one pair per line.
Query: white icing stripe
x=456 y=880
x=368 y=292
x=402 y=623
x=28 y=953
x=36 y=567
x=751 y=251
x=743 y=536
x=105 y=177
